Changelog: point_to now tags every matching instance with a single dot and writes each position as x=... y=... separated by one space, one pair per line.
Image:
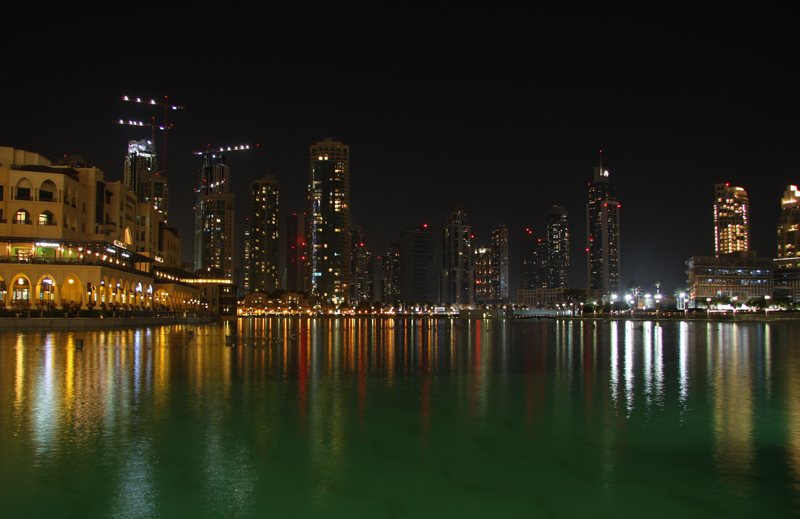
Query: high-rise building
x=602 y=234
x=416 y=279
x=328 y=233
x=731 y=220
x=213 y=218
x=390 y=275
x=499 y=263
x=531 y=260
x=264 y=235
x=296 y=253
x=483 y=274
x=244 y=286
x=789 y=224
x=458 y=273
x=557 y=248
x=141 y=175
x=362 y=269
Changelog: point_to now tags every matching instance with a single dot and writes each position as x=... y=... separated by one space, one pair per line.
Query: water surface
x=403 y=418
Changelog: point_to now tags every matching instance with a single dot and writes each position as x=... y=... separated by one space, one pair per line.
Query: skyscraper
x=458 y=273
x=532 y=252
x=731 y=220
x=483 y=274
x=328 y=234
x=296 y=253
x=416 y=278
x=362 y=269
x=264 y=235
x=141 y=175
x=499 y=263
x=213 y=217
x=789 y=224
x=602 y=234
x=557 y=248
x=390 y=275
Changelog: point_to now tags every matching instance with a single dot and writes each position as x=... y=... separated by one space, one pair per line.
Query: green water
x=404 y=418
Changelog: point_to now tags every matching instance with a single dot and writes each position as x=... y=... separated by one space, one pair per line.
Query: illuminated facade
x=483 y=274
x=557 y=248
x=458 y=273
x=787 y=263
x=264 y=236
x=731 y=220
x=602 y=236
x=69 y=239
x=499 y=264
x=328 y=223
x=738 y=274
x=213 y=217
x=142 y=177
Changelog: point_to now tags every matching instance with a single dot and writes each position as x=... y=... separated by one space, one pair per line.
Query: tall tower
x=296 y=253
x=731 y=220
x=458 y=276
x=499 y=263
x=416 y=279
x=789 y=226
x=602 y=236
x=362 y=269
x=390 y=275
x=264 y=235
x=328 y=226
x=557 y=248
x=484 y=279
x=142 y=177
x=213 y=217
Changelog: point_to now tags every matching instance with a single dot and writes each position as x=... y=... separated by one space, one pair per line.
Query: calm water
x=371 y=418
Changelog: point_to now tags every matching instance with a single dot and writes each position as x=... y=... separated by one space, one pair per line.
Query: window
x=23 y=193
x=22 y=217
x=46 y=218
x=1 y=193
x=45 y=196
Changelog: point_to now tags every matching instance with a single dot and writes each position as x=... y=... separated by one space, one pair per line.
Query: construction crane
x=165 y=126
x=208 y=155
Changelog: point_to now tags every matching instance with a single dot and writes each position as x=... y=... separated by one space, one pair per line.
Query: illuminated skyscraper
x=789 y=226
x=483 y=274
x=532 y=254
x=264 y=235
x=557 y=248
x=141 y=176
x=731 y=220
x=499 y=263
x=458 y=273
x=213 y=217
x=602 y=236
x=328 y=234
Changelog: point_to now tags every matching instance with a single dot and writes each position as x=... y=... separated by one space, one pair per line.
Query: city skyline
x=502 y=127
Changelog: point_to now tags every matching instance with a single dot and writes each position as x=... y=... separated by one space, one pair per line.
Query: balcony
x=23 y=197
x=23 y=222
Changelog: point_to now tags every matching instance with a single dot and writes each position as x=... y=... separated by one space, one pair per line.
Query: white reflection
x=659 y=365
x=614 y=362
x=629 y=375
x=683 y=362
x=45 y=416
x=647 y=348
x=137 y=494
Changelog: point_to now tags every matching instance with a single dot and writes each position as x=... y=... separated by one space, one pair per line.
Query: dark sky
x=500 y=113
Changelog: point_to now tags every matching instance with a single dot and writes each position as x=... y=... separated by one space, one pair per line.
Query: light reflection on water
x=403 y=417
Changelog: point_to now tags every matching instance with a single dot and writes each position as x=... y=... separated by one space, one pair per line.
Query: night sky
x=502 y=114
